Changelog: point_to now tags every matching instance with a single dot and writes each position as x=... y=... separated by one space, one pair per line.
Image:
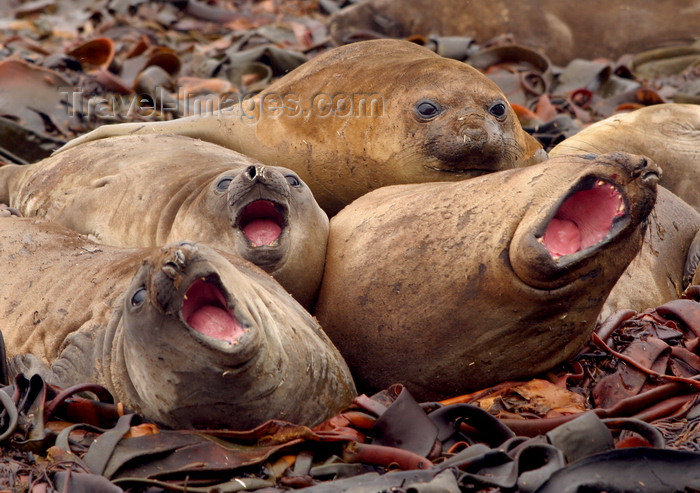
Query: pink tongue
x=562 y=237
x=215 y=322
x=262 y=231
x=583 y=220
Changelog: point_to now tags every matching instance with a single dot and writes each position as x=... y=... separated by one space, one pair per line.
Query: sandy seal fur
x=363 y=116
x=150 y=190
x=444 y=289
x=185 y=335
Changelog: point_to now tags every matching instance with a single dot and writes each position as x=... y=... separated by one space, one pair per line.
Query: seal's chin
x=584 y=218
x=205 y=310
x=262 y=222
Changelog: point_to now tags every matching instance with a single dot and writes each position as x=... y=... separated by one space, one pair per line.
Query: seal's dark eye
x=428 y=109
x=138 y=297
x=223 y=184
x=293 y=181
x=498 y=110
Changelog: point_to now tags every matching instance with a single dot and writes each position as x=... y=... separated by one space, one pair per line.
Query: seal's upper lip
x=262 y=222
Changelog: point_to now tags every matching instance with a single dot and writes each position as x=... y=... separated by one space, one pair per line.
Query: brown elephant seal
x=563 y=29
x=364 y=116
x=667 y=133
x=444 y=289
x=182 y=334
x=150 y=190
x=656 y=275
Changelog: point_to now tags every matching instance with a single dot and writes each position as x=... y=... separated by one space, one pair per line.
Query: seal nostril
x=251 y=172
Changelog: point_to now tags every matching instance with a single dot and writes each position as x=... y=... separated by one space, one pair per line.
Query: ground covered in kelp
x=66 y=68
x=629 y=402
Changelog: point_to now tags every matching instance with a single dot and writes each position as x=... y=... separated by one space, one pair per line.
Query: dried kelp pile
x=627 y=407
x=66 y=68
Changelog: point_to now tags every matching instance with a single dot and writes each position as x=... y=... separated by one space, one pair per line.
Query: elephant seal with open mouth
x=452 y=287
x=150 y=190
x=667 y=133
x=183 y=334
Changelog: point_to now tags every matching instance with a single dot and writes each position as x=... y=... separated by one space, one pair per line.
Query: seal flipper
x=206 y=129
x=29 y=365
x=74 y=365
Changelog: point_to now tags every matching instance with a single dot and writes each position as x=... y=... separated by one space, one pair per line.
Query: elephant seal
x=364 y=116
x=659 y=273
x=446 y=290
x=667 y=133
x=150 y=190
x=185 y=335
x=563 y=29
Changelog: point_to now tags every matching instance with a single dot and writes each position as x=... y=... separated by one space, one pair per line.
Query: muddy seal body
x=444 y=289
x=563 y=29
x=363 y=116
x=185 y=335
x=150 y=190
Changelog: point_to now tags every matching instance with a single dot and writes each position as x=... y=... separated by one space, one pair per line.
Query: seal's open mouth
x=261 y=222
x=205 y=310
x=584 y=219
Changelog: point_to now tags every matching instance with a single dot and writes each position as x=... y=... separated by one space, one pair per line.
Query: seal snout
x=164 y=281
x=474 y=137
x=255 y=173
x=647 y=170
x=176 y=263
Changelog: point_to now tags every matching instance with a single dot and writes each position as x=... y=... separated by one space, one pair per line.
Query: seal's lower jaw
x=262 y=223
x=206 y=311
